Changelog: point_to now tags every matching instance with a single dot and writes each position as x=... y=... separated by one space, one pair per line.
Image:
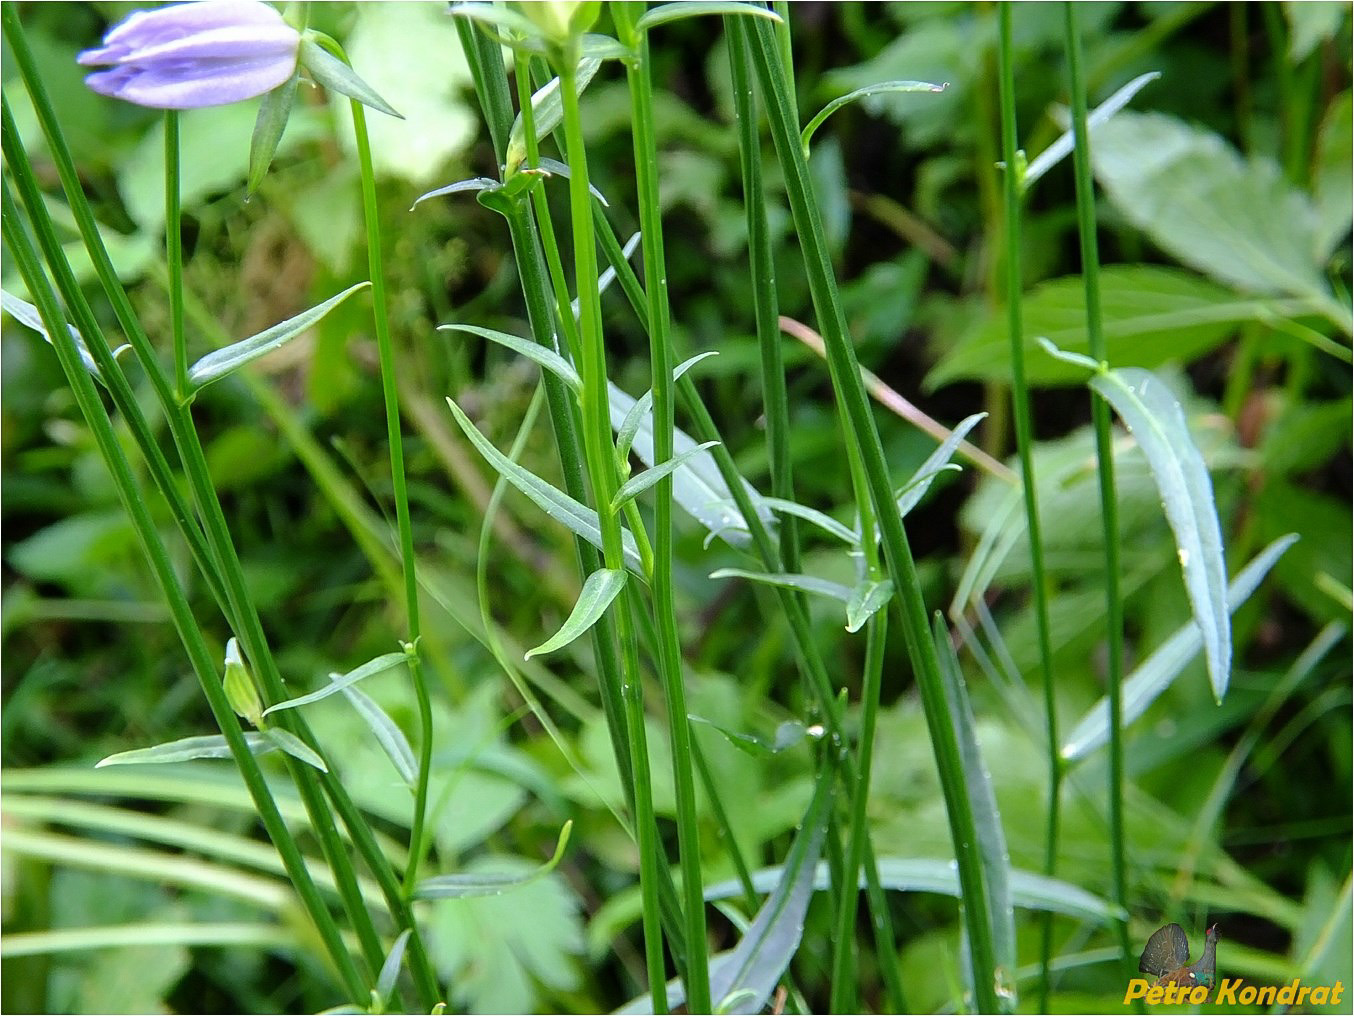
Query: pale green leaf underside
x=1062 y=148
x=804 y=583
x=641 y=482
x=186 y=749
x=1152 y=413
x=295 y=747
x=1156 y=673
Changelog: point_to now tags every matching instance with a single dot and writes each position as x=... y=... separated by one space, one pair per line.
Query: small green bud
x=240 y=691
x=562 y=20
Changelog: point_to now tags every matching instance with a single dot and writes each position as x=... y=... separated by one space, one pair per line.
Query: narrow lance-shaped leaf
x=822 y=520
x=577 y=518
x=26 y=314
x=1062 y=148
x=1165 y=664
x=986 y=817
x=186 y=749
x=475 y=183
x=459 y=887
x=1151 y=412
x=915 y=488
x=218 y=364
x=547 y=110
x=335 y=75
x=390 y=969
x=933 y=875
x=878 y=88
x=804 y=583
x=548 y=359
x=372 y=667
x=787 y=735
x=295 y=747
x=625 y=433
x=641 y=482
x=664 y=13
x=744 y=981
x=600 y=588
x=387 y=733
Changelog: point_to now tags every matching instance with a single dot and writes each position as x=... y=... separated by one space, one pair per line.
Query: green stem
x=601 y=462
x=386 y=353
x=1020 y=405
x=21 y=249
x=697 y=981
x=174 y=252
x=1100 y=414
x=859 y=424
x=765 y=305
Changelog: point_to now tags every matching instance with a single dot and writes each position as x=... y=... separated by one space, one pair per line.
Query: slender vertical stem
x=697 y=981
x=601 y=461
x=1020 y=405
x=174 y=252
x=1100 y=415
x=858 y=423
x=238 y=606
x=20 y=248
x=386 y=353
x=765 y=305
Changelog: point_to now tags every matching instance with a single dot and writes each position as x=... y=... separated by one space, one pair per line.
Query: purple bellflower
x=186 y=56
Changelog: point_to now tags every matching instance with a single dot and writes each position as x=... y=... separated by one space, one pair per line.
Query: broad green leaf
x=916 y=488
x=804 y=583
x=822 y=520
x=186 y=749
x=1155 y=674
x=1152 y=316
x=372 y=667
x=600 y=588
x=1062 y=148
x=625 y=433
x=218 y=364
x=750 y=973
x=930 y=875
x=642 y=481
x=866 y=600
x=387 y=733
x=787 y=735
x=337 y=76
x=295 y=747
x=879 y=88
x=578 y=519
x=986 y=818
x=547 y=110
x=546 y=358
x=453 y=887
x=1152 y=413
x=1193 y=194
x=664 y=13
x=1330 y=176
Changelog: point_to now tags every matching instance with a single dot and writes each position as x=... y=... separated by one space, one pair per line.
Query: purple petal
x=146 y=30
x=194 y=85
x=229 y=43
